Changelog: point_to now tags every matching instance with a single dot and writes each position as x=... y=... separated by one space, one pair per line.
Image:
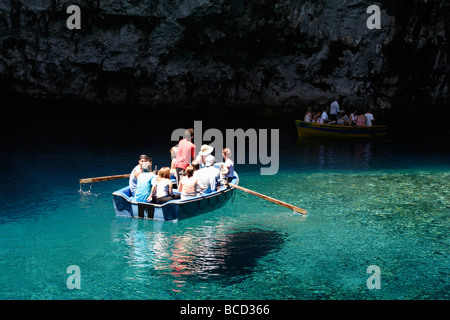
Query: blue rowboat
x=126 y=206
x=310 y=129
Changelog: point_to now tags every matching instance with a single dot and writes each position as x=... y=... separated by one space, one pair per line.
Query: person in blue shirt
x=144 y=182
x=137 y=171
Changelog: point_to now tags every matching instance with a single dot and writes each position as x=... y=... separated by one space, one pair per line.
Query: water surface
x=383 y=202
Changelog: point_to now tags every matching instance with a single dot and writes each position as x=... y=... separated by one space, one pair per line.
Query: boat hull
x=126 y=206
x=309 y=129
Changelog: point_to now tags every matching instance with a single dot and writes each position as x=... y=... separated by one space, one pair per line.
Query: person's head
x=226 y=153
x=144 y=158
x=164 y=173
x=205 y=150
x=209 y=161
x=189 y=134
x=189 y=171
x=146 y=166
x=195 y=164
x=173 y=152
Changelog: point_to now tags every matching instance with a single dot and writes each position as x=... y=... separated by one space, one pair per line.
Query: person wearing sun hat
x=205 y=151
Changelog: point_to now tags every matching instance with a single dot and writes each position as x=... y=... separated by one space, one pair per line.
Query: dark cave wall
x=246 y=54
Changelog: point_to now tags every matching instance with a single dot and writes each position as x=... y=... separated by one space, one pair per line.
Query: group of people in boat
x=195 y=174
x=334 y=115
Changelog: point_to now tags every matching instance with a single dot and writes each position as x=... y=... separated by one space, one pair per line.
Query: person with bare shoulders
x=162 y=190
x=189 y=185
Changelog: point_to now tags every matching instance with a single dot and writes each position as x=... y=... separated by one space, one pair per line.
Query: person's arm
x=152 y=193
x=199 y=186
x=170 y=188
x=193 y=152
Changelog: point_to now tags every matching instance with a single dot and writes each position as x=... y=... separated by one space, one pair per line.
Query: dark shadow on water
x=231 y=257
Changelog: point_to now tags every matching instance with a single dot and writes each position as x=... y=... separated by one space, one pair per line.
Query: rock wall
x=241 y=53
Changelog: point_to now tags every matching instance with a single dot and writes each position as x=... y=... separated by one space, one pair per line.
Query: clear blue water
x=383 y=203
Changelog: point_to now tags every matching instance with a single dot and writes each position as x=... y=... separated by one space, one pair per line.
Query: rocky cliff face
x=243 y=53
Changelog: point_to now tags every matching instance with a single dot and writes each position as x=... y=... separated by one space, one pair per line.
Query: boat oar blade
x=106 y=178
x=276 y=201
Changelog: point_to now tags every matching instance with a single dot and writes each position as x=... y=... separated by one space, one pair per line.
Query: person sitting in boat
x=342 y=119
x=361 y=120
x=227 y=168
x=137 y=171
x=195 y=165
x=144 y=182
x=205 y=151
x=353 y=117
x=324 y=117
x=162 y=190
x=308 y=115
x=317 y=118
x=189 y=185
x=208 y=176
x=173 y=156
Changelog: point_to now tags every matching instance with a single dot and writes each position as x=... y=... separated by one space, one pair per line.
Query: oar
x=281 y=203
x=106 y=178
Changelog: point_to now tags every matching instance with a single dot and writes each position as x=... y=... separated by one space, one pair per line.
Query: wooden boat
x=309 y=129
x=125 y=205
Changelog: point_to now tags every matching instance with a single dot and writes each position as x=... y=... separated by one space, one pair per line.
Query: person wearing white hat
x=205 y=151
x=209 y=175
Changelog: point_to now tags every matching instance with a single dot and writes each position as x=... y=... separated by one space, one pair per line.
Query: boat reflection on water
x=209 y=252
x=232 y=255
x=327 y=154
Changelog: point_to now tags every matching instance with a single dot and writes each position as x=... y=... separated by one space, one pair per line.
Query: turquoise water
x=383 y=203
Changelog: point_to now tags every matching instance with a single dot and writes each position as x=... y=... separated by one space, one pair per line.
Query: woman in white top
x=189 y=185
x=308 y=115
x=162 y=191
x=324 y=117
x=227 y=168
